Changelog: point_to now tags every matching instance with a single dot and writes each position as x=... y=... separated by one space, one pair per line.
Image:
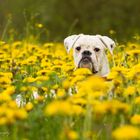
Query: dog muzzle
x=86 y=62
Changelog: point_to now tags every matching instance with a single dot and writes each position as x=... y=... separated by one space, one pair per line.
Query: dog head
x=89 y=50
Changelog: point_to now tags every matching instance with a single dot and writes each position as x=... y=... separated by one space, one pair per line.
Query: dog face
x=89 y=51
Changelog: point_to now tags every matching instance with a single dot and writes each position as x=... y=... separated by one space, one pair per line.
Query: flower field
x=43 y=97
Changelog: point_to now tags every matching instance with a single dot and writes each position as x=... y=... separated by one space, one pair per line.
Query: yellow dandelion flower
x=29 y=80
x=60 y=92
x=16 y=43
x=72 y=135
x=43 y=72
x=39 y=25
x=29 y=106
x=5 y=97
x=21 y=114
x=40 y=98
x=9 y=90
x=2 y=42
x=58 y=107
x=23 y=88
x=77 y=110
x=68 y=68
x=126 y=132
x=45 y=89
x=6 y=74
x=79 y=101
x=133 y=52
x=112 y=32
x=117 y=106
x=42 y=78
x=77 y=79
x=12 y=104
x=129 y=91
x=56 y=86
x=112 y=75
x=32 y=88
x=3 y=120
x=100 y=108
x=9 y=114
x=29 y=61
x=66 y=84
x=5 y=80
x=119 y=90
x=113 y=106
x=82 y=71
x=48 y=44
x=93 y=83
x=137 y=100
x=135 y=119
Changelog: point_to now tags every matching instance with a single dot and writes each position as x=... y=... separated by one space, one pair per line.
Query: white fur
x=90 y=42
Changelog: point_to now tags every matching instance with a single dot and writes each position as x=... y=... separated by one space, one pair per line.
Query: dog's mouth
x=86 y=62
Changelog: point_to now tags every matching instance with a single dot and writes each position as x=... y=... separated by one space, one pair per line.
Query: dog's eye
x=111 y=45
x=78 y=48
x=96 y=49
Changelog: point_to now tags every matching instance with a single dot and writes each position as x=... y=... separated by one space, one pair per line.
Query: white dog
x=89 y=52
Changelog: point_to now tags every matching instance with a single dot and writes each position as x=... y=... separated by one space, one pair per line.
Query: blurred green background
x=53 y=20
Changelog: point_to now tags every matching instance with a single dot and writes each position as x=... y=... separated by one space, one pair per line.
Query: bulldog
x=89 y=52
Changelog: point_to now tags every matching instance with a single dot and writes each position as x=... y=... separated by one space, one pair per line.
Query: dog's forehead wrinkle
x=88 y=40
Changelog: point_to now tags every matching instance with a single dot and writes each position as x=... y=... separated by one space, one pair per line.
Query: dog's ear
x=107 y=42
x=70 y=41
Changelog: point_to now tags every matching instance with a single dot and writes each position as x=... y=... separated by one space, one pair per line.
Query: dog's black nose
x=87 y=53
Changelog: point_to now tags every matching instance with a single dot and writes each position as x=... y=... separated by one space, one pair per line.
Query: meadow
x=58 y=102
